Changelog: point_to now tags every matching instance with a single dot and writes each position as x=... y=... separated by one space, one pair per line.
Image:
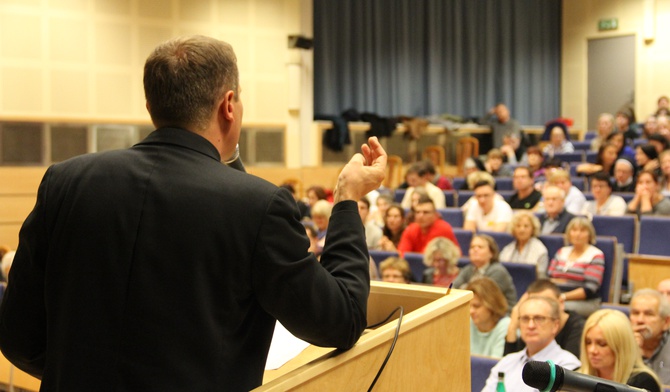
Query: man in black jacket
x=161 y=268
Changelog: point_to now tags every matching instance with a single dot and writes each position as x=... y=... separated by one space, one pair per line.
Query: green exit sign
x=608 y=24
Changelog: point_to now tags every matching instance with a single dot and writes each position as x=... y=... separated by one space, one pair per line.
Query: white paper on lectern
x=283 y=348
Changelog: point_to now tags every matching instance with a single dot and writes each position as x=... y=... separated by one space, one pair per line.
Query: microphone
x=547 y=376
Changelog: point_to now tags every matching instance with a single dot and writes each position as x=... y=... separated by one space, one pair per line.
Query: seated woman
x=648 y=199
x=578 y=268
x=394 y=225
x=559 y=141
x=605 y=160
x=664 y=160
x=526 y=248
x=609 y=351
x=535 y=161
x=623 y=150
x=440 y=256
x=484 y=262
x=396 y=270
x=321 y=211
x=488 y=318
x=604 y=202
x=646 y=158
x=378 y=215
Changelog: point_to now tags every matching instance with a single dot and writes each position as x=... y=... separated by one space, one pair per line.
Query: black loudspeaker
x=300 y=42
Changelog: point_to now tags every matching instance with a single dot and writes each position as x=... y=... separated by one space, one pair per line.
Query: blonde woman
x=526 y=247
x=578 y=267
x=609 y=351
x=440 y=256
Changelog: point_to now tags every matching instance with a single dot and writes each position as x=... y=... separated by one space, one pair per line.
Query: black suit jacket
x=159 y=268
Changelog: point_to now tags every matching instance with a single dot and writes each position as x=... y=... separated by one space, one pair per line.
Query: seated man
x=436 y=178
x=417 y=176
x=526 y=196
x=574 y=198
x=373 y=233
x=555 y=218
x=539 y=321
x=494 y=164
x=664 y=288
x=570 y=323
x=650 y=317
x=489 y=213
x=427 y=225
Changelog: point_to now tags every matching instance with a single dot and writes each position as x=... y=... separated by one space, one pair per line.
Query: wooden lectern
x=432 y=352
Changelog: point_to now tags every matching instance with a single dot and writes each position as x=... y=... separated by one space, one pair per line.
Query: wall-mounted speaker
x=300 y=42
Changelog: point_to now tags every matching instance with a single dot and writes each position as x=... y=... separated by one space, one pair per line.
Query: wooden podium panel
x=432 y=351
x=646 y=271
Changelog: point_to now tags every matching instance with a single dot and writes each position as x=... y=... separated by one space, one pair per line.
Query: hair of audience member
x=418 y=168
x=450 y=252
x=618 y=334
x=526 y=169
x=6 y=263
x=423 y=199
x=288 y=187
x=558 y=175
x=365 y=201
x=552 y=188
x=429 y=167
x=649 y=150
x=649 y=172
x=553 y=162
x=541 y=285
x=550 y=126
x=398 y=207
x=523 y=214
x=185 y=77
x=399 y=264
x=602 y=176
x=480 y=176
x=580 y=221
x=480 y=184
x=493 y=245
x=3 y=250
x=663 y=303
x=385 y=196
x=661 y=139
x=554 y=308
x=494 y=153
x=491 y=296
x=322 y=208
x=318 y=191
x=534 y=150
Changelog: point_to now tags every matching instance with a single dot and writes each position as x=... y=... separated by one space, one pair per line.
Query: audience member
x=498 y=118
x=427 y=225
x=472 y=180
x=559 y=141
x=604 y=202
x=605 y=128
x=650 y=317
x=302 y=206
x=494 y=164
x=321 y=211
x=470 y=166
x=395 y=270
x=394 y=225
x=526 y=247
x=623 y=150
x=659 y=142
x=663 y=125
x=436 y=178
x=441 y=257
x=625 y=123
x=4 y=249
x=646 y=158
x=314 y=194
x=513 y=149
x=416 y=177
x=570 y=324
x=489 y=213
x=535 y=161
x=488 y=318
x=624 y=176
x=664 y=160
x=373 y=234
x=648 y=199
x=555 y=217
x=664 y=288
x=609 y=351
x=539 y=323
x=605 y=160
x=574 y=198
x=484 y=262
x=650 y=126
x=378 y=215
x=663 y=107
x=526 y=196
x=579 y=267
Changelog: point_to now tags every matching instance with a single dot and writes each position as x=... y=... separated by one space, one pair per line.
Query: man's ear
x=227 y=105
x=146 y=104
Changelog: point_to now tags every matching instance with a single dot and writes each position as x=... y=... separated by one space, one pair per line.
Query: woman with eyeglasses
x=578 y=268
x=440 y=256
x=609 y=351
x=488 y=318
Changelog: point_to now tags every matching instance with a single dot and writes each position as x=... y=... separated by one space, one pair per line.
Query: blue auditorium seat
x=501 y=239
x=416 y=264
x=480 y=368
x=399 y=194
x=590 y=135
x=579 y=183
x=591 y=156
x=454 y=216
x=522 y=276
x=582 y=145
x=621 y=227
x=504 y=184
x=464 y=196
x=464 y=238
x=654 y=236
x=450 y=198
x=577 y=156
x=625 y=309
x=608 y=246
x=380 y=255
x=553 y=242
x=458 y=182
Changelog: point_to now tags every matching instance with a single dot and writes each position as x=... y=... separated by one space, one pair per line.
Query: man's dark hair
x=526 y=169
x=602 y=176
x=541 y=285
x=479 y=184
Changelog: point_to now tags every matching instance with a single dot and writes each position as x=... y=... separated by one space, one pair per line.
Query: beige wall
x=652 y=67
x=83 y=59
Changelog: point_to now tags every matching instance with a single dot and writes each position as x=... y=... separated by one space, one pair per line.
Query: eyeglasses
x=537 y=320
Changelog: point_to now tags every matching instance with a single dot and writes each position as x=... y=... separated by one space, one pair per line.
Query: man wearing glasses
x=539 y=324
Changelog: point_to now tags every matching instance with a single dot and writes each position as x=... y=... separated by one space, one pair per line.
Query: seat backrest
x=507 y=195
x=608 y=246
x=464 y=196
x=399 y=194
x=415 y=261
x=464 y=238
x=621 y=227
x=504 y=184
x=457 y=183
x=582 y=145
x=577 y=156
x=553 y=242
x=450 y=198
x=625 y=309
x=653 y=236
x=591 y=156
x=579 y=183
x=501 y=239
x=480 y=368
x=394 y=170
x=467 y=147
x=522 y=276
x=380 y=255
x=452 y=215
